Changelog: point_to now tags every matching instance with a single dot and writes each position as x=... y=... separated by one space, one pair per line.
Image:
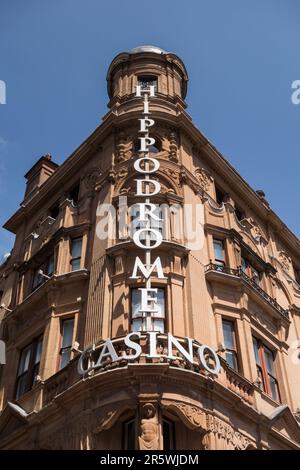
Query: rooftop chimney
x=39 y=173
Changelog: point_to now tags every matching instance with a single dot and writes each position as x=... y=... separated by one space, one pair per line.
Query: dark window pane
x=129 y=435
x=274 y=388
x=38 y=351
x=228 y=332
x=24 y=360
x=219 y=251
x=21 y=386
x=74 y=194
x=220 y=196
x=37 y=279
x=36 y=369
x=54 y=211
x=240 y=214
x=75 y=264
x=255 y=347
x=67 y=334
x=29 y=365
x=146 y=82
x=76 y=247
x=260 y=376
x=269 y=361
x=65 y=357
x=243 y=264
x=66 y=342
x=231 y=359
x=50 y=266
x=168 y=435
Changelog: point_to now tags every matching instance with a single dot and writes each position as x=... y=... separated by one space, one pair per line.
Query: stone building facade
x=65 y=288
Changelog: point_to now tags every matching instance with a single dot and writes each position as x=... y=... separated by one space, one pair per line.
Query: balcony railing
x=249 y=281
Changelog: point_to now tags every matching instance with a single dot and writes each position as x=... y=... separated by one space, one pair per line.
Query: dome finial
x=147 y=48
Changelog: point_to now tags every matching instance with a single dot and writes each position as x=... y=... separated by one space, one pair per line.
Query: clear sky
x=241 y=55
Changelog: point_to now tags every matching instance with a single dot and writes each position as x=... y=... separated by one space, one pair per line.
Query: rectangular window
x=73 y=194
x=156 y=322
x=220 y=195
x=147 y=81
x=29 y=365
x=137 y=224
x=76 y=248
x=67 y=329
x=219 y=252
x=250 y=271
x=128 y=435
x=47 y=268
x=264 y=358
x=230 y=344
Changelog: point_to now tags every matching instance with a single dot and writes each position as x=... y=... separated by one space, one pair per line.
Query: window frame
x=33 y=367
x=153 y=318
x=220 y=195
x=74 y=194
x=172 y=434
x=262 y=367
x=217 y=261
x=250 y=270
x=232 y=324
x=75 y=258
x=45 y=268
x=148 y=78
x=61 y=347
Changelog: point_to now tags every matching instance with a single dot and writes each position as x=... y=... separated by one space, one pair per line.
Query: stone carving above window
x=121 y=153
x=234 y=439
x=252 y=228
x=285 y=261
x=192 y=416
x=204 y=178
x=91 y=177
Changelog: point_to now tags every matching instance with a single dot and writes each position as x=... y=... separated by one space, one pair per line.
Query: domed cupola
x=151 y=65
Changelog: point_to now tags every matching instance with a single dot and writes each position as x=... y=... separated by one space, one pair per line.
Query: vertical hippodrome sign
x=147 y=238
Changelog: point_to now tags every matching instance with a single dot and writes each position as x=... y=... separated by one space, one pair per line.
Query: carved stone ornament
x=285 y=261
x=149 y=433
x=225 y=431
x=204 y=178
x=91 y=178
x=108 y=419
x=120 y=147
x=191 y=415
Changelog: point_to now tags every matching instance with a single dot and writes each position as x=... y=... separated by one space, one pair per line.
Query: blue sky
x=242 y=57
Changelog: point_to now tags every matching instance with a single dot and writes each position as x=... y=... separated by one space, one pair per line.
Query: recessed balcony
x=215 y=271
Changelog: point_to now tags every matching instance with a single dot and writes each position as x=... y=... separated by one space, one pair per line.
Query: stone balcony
x=217 y=271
